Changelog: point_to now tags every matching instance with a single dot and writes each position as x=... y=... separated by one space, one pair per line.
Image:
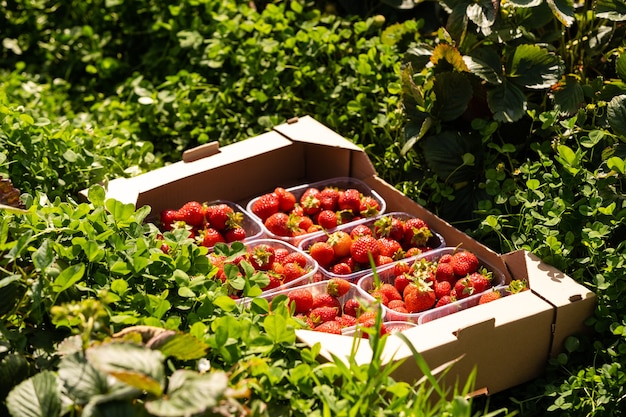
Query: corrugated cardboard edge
x=573 y=303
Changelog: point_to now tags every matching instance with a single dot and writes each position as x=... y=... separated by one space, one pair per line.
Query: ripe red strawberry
x=353 y=307
x=328 y=198
x=363 y=247
x=416 y=232
x=380 y=296
x=389 y=226
x=282 y=224
x=442 y=288
x=341 y=243
x=295 y=256
x=390 y=291
x=360 y=230
x=274 y=282
x=418 y=296
x=167 y=219
x=301 y=299
x=322 y=314
x=445 y=272
x=326 y=300
x=341 y=268
x=346 y=320
x=489 y=296
x=397 y=305
x=401 y=268
x=280 y=254
x=265 y=206
x=235 y=234
x=350 y=199
x=391 y=248
x=332 y=327
x=210 y=237
x=337 y=287
x=293 y=271
x=383 y=260
x=327 y=219
x=464 y=263
x=400 y=282
x=463 y=288
x=480 y=282
x=445 y=300
x=369 y=206
x=192 y=213
x=445 y=258
x=306 y=223
x=286 y=199
x=310 y=201
x=217 y=215
x=262 y=257
x=322 y=252
x=413 y=251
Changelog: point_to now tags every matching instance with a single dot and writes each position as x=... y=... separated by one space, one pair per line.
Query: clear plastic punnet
x=435 y=242
x=341 y=183
x=386 y=274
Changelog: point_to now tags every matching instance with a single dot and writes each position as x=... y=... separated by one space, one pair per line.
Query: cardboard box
x=523 y=329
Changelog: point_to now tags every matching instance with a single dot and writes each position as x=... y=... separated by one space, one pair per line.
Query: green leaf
x=81 y=380
x=569 y=97
x=563 y=10
x=68 y=277
x=483 y=13
x=616 y=114
x=38 y=396
x=485 y=63
x=419 y=56
x=96 y=195
x=453 y=91
x=535 y=67
x=43 y=256
x=121 y=212
x=616 y=163
x=276 y=327
x=506 y=102
x=136 y=366
x=189 y=393
x=225 y=303
x=184 y=346
x=614 y=10
x=415 y=131
x=447 y=155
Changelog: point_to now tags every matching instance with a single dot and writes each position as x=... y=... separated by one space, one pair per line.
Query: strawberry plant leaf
x=136 y=366
x=614 y=10
x=535 y=67
x=485 y=63
x=183 y=346
x=569 y=97
x=81 y=380
x=483 y=13
x=506 y=102
x=68 y=277
x=43 y=256
x=38 y=396
x=563 y=10
x=616 y=115
x=453 y=91
x=189 y=393
x=277 y=329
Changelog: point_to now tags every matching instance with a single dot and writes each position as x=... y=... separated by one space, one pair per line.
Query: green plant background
x=505 y=119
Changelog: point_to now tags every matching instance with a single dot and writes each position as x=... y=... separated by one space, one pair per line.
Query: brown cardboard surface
x=573 y=303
